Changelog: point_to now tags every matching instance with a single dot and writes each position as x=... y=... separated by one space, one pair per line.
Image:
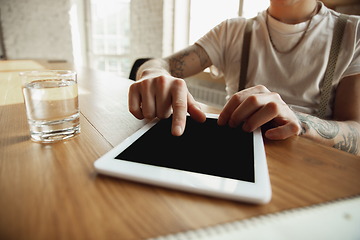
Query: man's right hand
x=160 y=88
x=156 y=93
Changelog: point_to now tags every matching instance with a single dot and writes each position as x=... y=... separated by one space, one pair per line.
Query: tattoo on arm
x=350 y=142
x=203 y=57
x=325 y=128
x=329 y=130
x=177 y=62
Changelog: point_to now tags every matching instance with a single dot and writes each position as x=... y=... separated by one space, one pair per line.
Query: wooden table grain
x=52 y=191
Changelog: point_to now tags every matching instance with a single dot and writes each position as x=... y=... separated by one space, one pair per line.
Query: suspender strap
x=245 y=53
x=329 y=73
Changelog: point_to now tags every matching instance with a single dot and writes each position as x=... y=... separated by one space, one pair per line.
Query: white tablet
x=207 y=159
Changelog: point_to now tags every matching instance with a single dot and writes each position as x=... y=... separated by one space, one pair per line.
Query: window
x=109 y=30
x=252 y=8
x=109 y=35
x=206 y=14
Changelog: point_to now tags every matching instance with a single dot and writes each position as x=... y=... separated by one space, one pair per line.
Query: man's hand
x=156 y=93
x=256 y=106
x=160 y=88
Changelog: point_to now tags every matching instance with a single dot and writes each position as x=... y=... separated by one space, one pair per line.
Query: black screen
x=205 y=148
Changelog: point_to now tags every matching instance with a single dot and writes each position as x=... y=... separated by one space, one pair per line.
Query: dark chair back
x=136 y=66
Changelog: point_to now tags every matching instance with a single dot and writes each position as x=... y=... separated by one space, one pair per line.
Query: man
x=289 y=52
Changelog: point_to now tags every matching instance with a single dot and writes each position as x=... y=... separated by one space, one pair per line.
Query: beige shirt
x=296 y=76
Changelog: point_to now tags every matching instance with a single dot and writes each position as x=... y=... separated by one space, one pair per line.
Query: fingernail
x=270 y=135
x=177 y=131
x=232 y=124
x=221 y=121
x=246 y=127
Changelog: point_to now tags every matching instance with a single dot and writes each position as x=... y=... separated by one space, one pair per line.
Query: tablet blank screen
x=205 y=148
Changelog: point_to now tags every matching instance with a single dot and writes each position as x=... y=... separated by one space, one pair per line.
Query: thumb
x=283 y=132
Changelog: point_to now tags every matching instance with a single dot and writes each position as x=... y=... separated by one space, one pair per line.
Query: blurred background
x=110 y=35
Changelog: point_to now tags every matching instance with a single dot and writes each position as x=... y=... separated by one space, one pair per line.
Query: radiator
x=209 y=96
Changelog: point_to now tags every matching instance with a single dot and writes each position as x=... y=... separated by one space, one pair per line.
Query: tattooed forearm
x=325 y=128
x=349 y=142
x=178 y=62
x=342 y=135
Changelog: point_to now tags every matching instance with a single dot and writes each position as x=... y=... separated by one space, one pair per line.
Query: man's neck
x=292 y=11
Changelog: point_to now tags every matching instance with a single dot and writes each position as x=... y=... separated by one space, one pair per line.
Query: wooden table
x=51 y=191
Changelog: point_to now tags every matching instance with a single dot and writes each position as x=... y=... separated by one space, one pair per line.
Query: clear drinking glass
x=52 y=105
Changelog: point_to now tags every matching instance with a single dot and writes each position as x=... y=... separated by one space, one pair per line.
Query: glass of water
x=52 y=105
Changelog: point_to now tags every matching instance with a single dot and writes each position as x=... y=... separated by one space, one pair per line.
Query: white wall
x=37 y=29
x=151 y=28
